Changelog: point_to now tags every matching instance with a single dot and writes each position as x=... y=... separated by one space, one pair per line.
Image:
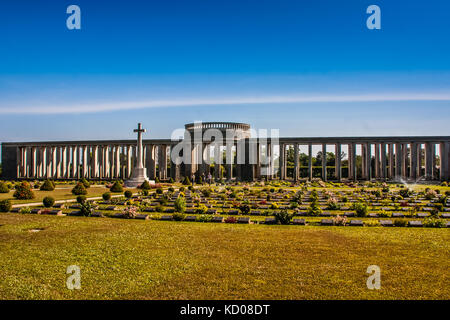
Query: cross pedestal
x=139 y=173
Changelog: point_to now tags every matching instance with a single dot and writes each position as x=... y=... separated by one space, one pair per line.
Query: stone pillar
x=391 y=161
x=354 y=167
x=310 y=167
x=129 y=158
x=217 y=160
x=84 y=157
x=296 y=163
x=398 y=160
x=282 y=164
x=324 y=162
x=377 y=161
x=162 y=162
x=48 y=165
x=404 y=161
x=338 y=166
x=34 y=169
x=229 y=160
x=94 y=162
x=429 y=161
x=413 y=161
x=384 y=172
x=151 y=161
x=443 y=155
x=350 y=162
x=368 y=161
x=117 y=161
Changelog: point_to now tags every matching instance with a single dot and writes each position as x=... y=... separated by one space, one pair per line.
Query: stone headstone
x=415 y=224
x=301 y=222
x=326 y=222
x=356 y=223
x=243 y=220
x=190 y=218
x=217 y=219
x=386 y=223
x=166 y=218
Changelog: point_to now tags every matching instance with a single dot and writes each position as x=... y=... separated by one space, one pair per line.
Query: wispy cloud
x=97 y=107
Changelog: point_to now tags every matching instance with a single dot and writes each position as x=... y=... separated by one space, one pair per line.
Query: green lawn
x=135 y=259
x=61 y=193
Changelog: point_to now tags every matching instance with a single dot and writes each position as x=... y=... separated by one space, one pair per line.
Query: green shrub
x=23 y=191
x=314 y=209
x=159 y=208
x=361 y=209
x=171 y=189
x=79 y=189
x=244 y=208
x=372 y=223
x=116 y=187
x=128 y=194
x=159 y=190
x=47 y=186
x=25 y=210
x=435 y=223
x=180 y=204
x=4 y=188
x=5 y=206
x=145 y=185
x=178 y=216
x=48 y=202
x=106 y=196
x=86 y=208
x=283 y=217
x=202 y=209
x=85 y=183
x=186 y=181
x=81 y=199
x=400 y=222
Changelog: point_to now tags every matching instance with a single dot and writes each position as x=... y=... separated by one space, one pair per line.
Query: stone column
x=282 y=164
x=84 y=159
x=324 y=162
x=296 y=163
x=49 y=159
x=391 y=161
x=338 y=167
x=443 y=152
x=117 y=161
x=94 y=164
x=310 y=168
x=413 y=161
x=162 y=162
x=151 y=161
x=377 y=161
x=398 y=160
x=34 y=169
x=229 y=159
x=129 y=158
x=354 y=167
x=404 y=161
x=429 y=161
x=350 y=162
x=217 y=161
x=383 y=162
x=369 y=161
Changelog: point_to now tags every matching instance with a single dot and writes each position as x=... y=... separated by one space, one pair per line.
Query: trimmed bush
x=128 y=194
x=178 y=216
x=116 y=187
x=159 y=191
x=145 y=185
x=180 y=205
x=361 y=209
x=283 y=217
x=5 y=206
x=47 y=186
x=106 y=196
x=81 y=199
x=186 y=181
x=48 y=202
x=4 y=188
x=85 y=183
x=23 y=191
x=79 y=189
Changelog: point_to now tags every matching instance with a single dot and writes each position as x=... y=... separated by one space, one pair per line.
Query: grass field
x=61 y=193
x=134 y=259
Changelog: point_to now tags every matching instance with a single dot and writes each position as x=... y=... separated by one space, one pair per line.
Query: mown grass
x=134 y=259
x=61 y=193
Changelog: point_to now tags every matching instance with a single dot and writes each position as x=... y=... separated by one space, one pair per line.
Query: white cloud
x=94 y=107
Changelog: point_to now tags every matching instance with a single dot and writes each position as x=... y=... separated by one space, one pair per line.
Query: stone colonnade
x=381 y=160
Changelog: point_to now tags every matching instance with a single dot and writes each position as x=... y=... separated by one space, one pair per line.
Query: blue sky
x=308 y=68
